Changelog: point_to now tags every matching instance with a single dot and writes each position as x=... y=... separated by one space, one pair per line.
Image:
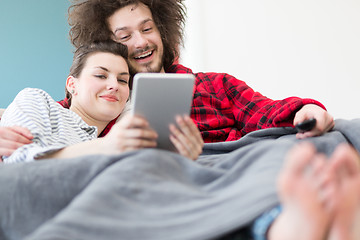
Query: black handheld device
x=306 y=125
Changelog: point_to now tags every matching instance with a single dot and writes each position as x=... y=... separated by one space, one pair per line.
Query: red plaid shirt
x=225 y=108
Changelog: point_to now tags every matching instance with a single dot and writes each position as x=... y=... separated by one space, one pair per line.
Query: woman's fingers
x=187 y=138
x=134 y=132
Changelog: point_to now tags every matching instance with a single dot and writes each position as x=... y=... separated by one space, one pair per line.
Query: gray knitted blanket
x=152 y=194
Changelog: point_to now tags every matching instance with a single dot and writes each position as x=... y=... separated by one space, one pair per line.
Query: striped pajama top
x=52 y=126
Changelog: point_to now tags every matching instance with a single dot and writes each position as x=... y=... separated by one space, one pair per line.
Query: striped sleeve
x=36 y=110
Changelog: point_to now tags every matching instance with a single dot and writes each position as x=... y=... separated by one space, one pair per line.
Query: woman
x=97 y=89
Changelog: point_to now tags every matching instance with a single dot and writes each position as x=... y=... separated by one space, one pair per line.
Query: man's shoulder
x=208 y=78
x=178 y=68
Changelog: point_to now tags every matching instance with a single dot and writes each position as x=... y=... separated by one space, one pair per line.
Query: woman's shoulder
x=32 y=92
x=29 y=104
x=34 y=95
x=32 y=100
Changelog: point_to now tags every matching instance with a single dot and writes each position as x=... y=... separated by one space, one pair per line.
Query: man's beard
x=149 y=69
x=140 y=68
x=155 y=69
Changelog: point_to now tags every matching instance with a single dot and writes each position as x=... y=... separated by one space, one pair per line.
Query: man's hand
x=324 y=121
x=11 y=138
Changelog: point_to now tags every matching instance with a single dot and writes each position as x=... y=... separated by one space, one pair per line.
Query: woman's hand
x=187 y=138
x=130 y=133
x=324 y=121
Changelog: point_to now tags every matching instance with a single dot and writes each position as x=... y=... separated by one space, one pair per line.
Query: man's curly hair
x=88 y=22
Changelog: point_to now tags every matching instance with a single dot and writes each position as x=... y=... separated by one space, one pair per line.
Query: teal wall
x=35 y=50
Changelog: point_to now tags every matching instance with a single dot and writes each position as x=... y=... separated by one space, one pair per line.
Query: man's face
x=133 y=26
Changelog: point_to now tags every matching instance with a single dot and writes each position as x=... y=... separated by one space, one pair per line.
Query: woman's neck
x=89 y=120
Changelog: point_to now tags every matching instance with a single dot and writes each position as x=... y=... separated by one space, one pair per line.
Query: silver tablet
x=159 y=97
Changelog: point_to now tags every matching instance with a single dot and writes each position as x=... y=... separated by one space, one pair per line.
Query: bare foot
x=346 y=171
x=304 y=215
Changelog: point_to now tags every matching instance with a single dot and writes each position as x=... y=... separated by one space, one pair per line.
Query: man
x=224 y=108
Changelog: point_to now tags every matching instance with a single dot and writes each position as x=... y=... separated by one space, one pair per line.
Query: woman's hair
x=88 y=21
x=85 y=51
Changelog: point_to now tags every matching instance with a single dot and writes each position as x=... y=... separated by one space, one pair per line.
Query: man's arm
x=11 y=138
x=32 y=110
x=226 y=108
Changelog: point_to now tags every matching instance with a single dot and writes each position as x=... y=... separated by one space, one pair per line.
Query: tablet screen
x=160 y=97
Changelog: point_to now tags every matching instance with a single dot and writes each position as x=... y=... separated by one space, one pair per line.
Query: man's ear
x=70 y=84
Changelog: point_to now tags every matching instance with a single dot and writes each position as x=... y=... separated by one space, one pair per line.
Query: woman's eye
x=122 y=81
x=147 y=29
x=100 y=76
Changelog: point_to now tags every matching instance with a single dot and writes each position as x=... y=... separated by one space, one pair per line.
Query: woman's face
x=101 y=91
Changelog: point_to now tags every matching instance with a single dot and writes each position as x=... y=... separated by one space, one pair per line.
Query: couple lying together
x=319 y=195
x=232 y=182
